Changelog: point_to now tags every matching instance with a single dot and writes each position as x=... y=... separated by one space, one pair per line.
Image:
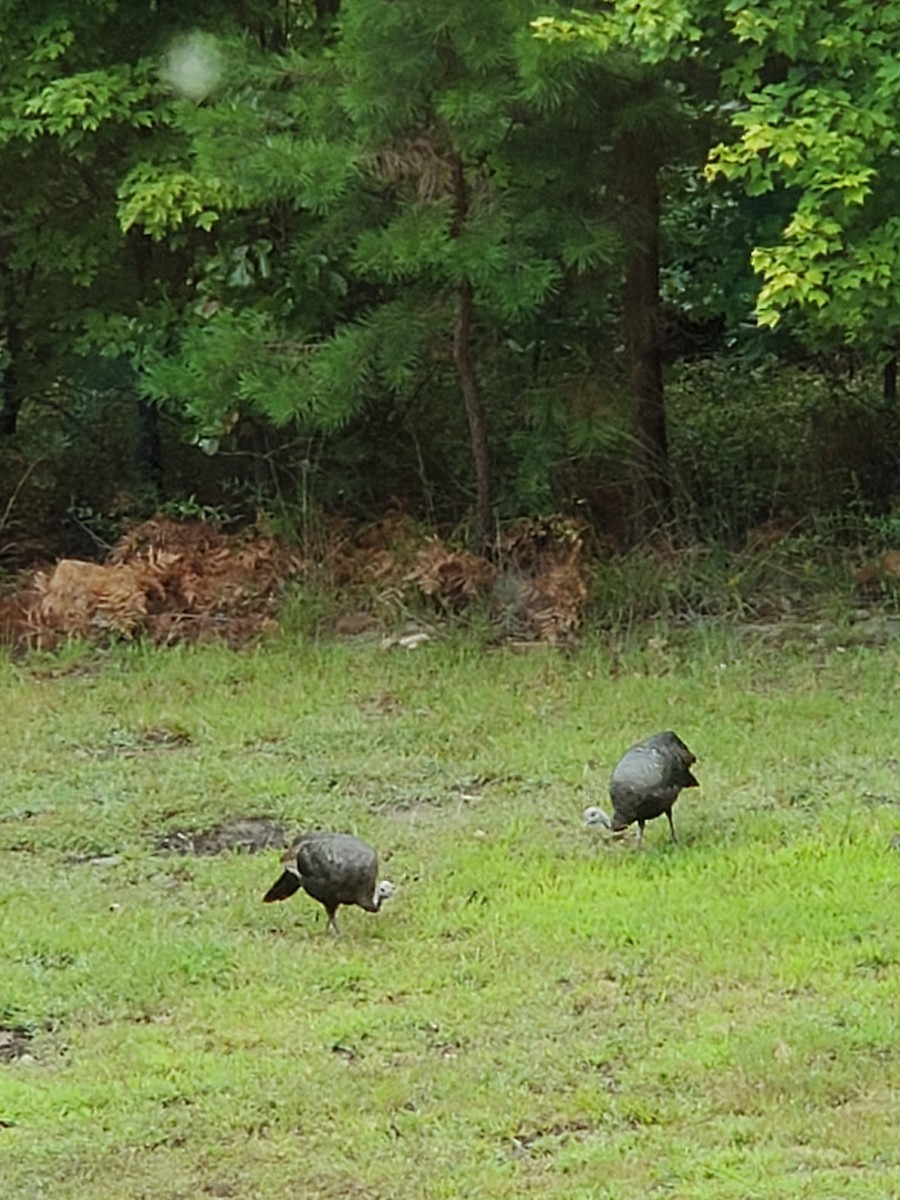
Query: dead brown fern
x=415 y=160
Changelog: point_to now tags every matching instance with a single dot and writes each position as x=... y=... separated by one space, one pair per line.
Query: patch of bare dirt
x=546 y=1140
x=160 y=737
x=124 y=743
x=14 y=1042
x=357 y=624
x=382 y=704
x=246 y=835
x=93 y=860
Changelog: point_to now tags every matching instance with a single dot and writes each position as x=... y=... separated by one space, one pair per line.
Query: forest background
x=467 y=262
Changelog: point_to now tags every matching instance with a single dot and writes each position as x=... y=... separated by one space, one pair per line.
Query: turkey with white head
x=645 y=783
x=335 y=869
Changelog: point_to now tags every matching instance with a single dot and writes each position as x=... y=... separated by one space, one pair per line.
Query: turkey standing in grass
x=645 y=784
x=335 y=869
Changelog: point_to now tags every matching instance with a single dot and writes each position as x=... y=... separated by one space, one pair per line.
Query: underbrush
x=799 y=577
x=753 y=439
x=804 y=577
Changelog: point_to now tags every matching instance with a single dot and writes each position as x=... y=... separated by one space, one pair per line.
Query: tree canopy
x=450 y=252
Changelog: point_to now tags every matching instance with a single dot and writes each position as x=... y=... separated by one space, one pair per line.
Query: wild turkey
x=645 y=784
x=335 y=869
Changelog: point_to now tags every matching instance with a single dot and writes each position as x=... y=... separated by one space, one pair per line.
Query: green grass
x=536 y=1013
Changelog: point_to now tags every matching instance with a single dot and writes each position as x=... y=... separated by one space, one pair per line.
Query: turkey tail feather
x=284 y=886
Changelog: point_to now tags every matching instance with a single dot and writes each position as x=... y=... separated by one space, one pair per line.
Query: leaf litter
x=172 y=582
x=246 y=835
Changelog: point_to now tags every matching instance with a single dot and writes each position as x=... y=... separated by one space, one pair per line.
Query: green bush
x=751 y=442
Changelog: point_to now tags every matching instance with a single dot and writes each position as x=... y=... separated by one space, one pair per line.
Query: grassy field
x=537 y=1013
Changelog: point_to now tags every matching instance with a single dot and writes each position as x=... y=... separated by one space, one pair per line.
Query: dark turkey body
x=333 y=868
x=648 y=778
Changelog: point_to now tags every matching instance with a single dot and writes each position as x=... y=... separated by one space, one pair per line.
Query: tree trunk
x=468 y=379
x=462 y=357
x=889 y=380
x=639 y=184
x=11 y=391
x=148 y=451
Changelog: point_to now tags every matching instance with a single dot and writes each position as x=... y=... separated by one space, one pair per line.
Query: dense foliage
x=476 y=259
